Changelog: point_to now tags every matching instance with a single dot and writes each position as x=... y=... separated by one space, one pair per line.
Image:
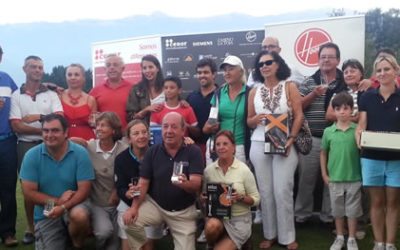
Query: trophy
x=48 y=207
x=134 y=182
x=177 y=171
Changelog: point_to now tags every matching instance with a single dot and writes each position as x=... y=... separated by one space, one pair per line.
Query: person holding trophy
x=239 y=193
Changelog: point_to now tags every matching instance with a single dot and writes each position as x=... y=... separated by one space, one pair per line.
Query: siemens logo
x=202 y=43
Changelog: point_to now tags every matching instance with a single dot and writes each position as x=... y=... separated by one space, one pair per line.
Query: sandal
x=267 y=244
x=292 y=246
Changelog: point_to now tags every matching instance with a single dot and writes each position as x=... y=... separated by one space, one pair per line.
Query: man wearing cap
x=28 y=106
x=8 y=162
x=231 y=102
x=272 y=44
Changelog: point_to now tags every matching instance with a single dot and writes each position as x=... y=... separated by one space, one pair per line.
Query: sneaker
x=391 y=247
x=258 y=217
x=338 y=244
x=352 y=244
x=29 y=238
x=378 y=246
x=202 y=238
x=10 y=241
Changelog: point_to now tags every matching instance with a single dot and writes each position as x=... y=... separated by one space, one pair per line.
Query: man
x=112 y=95
x=60 y=172
x=272 y=44
x=28 y=106
x=317 y=92
x=8 y=162
x=168 y=201
x=200 y=100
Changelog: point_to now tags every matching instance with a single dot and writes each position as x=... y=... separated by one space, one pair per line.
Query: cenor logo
x=307 y=45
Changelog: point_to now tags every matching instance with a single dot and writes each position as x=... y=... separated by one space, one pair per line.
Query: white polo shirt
x=45 y=102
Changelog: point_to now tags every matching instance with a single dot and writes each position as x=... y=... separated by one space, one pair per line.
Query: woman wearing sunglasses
x=274 y=172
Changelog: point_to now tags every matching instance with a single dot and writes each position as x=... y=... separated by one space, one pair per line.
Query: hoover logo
x=307 y=45
x=171 y=44
x=251 y=36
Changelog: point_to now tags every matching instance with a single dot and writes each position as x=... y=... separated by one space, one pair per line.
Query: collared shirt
x=55 y=177
x=232 y=113
x=315 y=112
x=343 y=154
x=242 y=179
x=104 y=183
x=382 y=116
x=157 y=167
x=7 y=87
x=112 y=99
x=201 y=107
x=42 y=102
x=105 y=154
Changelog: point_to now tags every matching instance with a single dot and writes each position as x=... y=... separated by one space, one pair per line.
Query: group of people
x=86 y=166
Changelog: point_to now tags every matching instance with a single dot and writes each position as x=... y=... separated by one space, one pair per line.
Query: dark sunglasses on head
x=266 y=63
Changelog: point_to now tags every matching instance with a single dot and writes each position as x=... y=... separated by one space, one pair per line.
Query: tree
x=381 y=31
x=57 y=76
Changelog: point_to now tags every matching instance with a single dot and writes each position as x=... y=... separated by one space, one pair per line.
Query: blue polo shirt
x=7 y=85
x=55 y=177
x=201 y=106
x=382 y=116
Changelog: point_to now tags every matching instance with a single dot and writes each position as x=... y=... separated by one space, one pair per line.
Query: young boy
x=341 y=170
x=172 y=91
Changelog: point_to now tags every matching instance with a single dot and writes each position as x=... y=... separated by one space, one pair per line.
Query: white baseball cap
x=233 y=61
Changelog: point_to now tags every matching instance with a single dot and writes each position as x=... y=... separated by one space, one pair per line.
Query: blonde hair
x=388 y=58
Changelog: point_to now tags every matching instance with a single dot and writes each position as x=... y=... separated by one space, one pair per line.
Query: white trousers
x=275 y=178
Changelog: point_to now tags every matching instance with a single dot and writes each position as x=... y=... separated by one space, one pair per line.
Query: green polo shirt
x=343 y=154
x=231 y=114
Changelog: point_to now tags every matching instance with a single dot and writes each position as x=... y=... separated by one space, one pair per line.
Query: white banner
x=300 y=41
x=131 y=50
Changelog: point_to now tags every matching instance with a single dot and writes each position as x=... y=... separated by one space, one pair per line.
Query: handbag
x=303 y=141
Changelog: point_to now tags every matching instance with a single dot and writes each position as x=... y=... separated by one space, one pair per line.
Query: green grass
x=310 y=237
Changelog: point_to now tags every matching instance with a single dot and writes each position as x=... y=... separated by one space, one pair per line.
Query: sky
x=22 y=11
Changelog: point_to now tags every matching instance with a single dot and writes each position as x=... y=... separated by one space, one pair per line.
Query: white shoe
x=202 y=238
x=338 y=244
x=352 y=244
x=258 y=217
x=379 y=246
x=391 y=247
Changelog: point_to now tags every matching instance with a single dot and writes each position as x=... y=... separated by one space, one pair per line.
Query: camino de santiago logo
x=307 y=45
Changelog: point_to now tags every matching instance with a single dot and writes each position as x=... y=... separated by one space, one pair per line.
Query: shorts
x=345 y=199
x=51 y=233
x=152 y=232
x=380 y=173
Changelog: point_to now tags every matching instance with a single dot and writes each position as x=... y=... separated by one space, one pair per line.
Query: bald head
x=173 y=129
x=271 y=44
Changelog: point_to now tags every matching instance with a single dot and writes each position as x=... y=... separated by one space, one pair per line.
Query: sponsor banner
x=181 y=53
x=300 y=41
x=131 y=50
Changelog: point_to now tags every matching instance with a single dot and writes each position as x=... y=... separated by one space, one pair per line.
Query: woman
x=274 y=172
x=127 y=175
x=103 y=198
x=232 y=106
x=234 y=232
x=147 y=96
x=353 y=73
x=78 y=106
x=380 y=111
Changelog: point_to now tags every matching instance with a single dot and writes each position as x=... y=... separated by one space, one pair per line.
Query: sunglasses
x=266 y=63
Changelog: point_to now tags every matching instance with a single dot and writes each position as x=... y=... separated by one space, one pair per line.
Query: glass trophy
x=134 y=182
x=48 y=207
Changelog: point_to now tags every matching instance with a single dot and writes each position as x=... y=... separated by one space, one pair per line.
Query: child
x=341 y=170
x=172 y=91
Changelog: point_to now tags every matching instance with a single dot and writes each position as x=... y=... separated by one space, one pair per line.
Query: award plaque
x=276 y=133
x=380 y=140
x=219 y=200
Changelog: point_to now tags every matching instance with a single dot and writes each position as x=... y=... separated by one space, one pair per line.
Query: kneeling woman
x=231 y=233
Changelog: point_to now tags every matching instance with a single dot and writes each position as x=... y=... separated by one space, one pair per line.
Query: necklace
x=74 y=100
